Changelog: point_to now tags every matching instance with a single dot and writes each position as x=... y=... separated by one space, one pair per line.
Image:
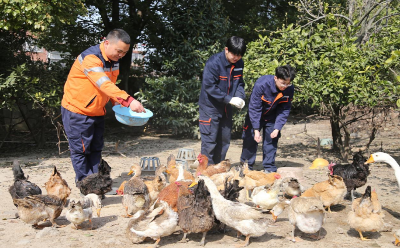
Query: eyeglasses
x=285 y=85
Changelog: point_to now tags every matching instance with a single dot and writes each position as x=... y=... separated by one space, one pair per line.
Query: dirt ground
x=297 y=149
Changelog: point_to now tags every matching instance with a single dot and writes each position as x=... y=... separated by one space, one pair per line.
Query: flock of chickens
x=213 y=197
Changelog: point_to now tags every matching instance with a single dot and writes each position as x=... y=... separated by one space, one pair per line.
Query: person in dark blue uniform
x=269 y=108
x=222 y=86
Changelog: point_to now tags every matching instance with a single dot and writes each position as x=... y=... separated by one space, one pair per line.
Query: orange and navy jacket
x=91 y=83
x=221 y=81
x=268 y=104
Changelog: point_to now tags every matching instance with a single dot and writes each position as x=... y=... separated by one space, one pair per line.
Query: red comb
x=277 y=176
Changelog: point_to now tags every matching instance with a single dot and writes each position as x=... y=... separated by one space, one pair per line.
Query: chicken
x=330 y=192
x=120 y=190
x=22 y=187
x=291 y=187
x=157 y=184
x=265 y=198
x=170 y=193
x=208 y=170
x=254 y=179
x=136 y=195
x=173 y=172
x=56 y=185
x=76 y=214
x=36 y=208
x=153 y=223
x=354 y=175
x=245 y=219
x=220 y=178
x=90 y=201
x=366 y=214
x=97 y=183
x=308 y=214
x=195 y=213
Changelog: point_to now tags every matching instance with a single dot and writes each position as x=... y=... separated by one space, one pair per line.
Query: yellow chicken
x=330 y=192
x=366 y=214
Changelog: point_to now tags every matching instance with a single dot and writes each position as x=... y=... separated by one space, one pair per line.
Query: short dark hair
x=285 y=72
x=119 y=34
x=236 y=45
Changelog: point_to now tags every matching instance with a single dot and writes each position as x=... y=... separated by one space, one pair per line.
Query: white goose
x=245 y=219
x=384 y=157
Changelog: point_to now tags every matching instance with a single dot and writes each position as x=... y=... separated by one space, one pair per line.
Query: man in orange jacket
x=89 y=86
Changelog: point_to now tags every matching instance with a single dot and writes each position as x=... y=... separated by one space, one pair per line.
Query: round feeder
x=187 y=154
x=149 y=164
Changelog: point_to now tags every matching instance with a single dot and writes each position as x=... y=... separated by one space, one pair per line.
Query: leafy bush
x=174 y=103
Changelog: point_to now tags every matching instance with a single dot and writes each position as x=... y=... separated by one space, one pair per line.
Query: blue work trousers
x=249 y=150
x=215 y=137
x=85 y=138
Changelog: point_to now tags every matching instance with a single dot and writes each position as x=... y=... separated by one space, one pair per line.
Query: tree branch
x=367 y=14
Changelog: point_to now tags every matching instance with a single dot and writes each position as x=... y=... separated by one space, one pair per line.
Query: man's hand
x=274 y=133
x=136 y=106
x=237 y=102
x=257 y=136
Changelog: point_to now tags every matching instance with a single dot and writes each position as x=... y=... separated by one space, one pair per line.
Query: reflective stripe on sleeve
x=115 y=68
x=80 y=59
x=102 y=80
x=93 y=69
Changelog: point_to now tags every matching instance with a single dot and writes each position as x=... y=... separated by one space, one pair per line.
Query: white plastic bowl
x=126 y=116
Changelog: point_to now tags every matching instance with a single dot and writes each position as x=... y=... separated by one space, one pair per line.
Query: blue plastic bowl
x=126 y=116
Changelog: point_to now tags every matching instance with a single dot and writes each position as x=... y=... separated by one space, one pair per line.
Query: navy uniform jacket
x=221 y=81
x=268 y=104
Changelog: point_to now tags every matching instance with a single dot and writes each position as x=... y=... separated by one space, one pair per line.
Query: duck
x=77 y=214
x=279 y=208
x=90 y=201
x=35 y=208
x=157 y=184
x=366 y=213
x=21 y=187
x=153 y=223
x=56 y=185
x=195 y=213
x=266 y=198
x=98 y=183
x=241 y=217
x=136 y=195
x=291 y=187
x=308 y=214
x=397 y=238
x=386 y=158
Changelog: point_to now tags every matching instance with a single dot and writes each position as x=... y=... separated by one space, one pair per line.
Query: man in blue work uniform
x=222 y=86
x=269 y=108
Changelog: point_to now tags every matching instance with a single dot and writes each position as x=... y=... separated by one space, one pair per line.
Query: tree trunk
x=336 y=135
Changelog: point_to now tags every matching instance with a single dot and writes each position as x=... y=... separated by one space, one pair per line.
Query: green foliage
x=188 y=28
x=33 y=82
x=333 y=72
x=174 y=103
x=37 y=15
